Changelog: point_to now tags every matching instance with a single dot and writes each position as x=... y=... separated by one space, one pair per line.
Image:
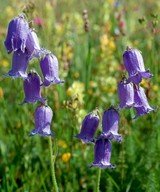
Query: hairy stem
x=52 y=161
x=98 y=180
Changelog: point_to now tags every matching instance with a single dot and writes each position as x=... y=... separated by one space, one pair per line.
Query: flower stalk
x=98 y=180
x=52 y=163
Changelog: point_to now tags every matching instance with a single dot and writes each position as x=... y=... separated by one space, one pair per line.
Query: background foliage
x=91 y=65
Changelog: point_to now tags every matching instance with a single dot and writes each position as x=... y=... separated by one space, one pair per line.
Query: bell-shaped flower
x=32 y=44
x=141 y=100
x=49 y=68
x=110 y=123
x=20 y=62
x=125 y=94
x=42 y=119
x=134 y=64
x=89 y=127
x=32 y=88
x=102 y=154
x=17 y=34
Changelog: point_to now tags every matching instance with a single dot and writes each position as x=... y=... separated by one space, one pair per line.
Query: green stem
x=52 y=161
x=98 y=180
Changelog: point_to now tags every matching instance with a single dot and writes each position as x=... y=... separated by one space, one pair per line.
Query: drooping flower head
x=32 y=87
x=110 y=123
x=17 y=34
x=125 y=94
x=141 y=100
x=20 y=62
x=42 y=119
x=32 y=44
x=102 y=154
x=134 y=64
x=89 y=127
x=49 y=67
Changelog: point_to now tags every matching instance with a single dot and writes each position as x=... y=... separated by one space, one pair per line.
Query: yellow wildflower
x=155 y=88
x=105 y=88
x=76 y=74
x=111 y=44
x=144 y=83
x=107 y=44
x=68 y=51
x=92 y=83
x=4 y=63
x=76 y=89
x=59 y=28
x=70 y=92
x=109 y=84
x=62 y=143
x=66 y=157
x=104 y=39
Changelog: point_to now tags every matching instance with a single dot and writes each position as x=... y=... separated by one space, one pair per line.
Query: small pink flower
x=39 y=21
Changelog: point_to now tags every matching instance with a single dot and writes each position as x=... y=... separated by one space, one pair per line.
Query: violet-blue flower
x=141 y=100
x=32 y=44
x=134 y=64
x=110 y=123
x=89 y=127
x=49 y=68
x=42 y=119
x=102 y=154
x=20 y=62
x=18 y=29
x=125 y=94
x=32 y=88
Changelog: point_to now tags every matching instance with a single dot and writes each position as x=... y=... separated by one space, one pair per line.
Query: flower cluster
x=23 y=42
x=102 y=149
x=130 y=93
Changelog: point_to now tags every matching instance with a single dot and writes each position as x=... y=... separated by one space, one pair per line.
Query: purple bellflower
x=141 y=100
x=42 y=118
x=89 y=127
x=20 y=62
x=125 y=94
x=32 y=44
x=133 y=62
x=49 y=68
x=102 y=154
x=17 y=34
x=110 y=123
x=32 y=89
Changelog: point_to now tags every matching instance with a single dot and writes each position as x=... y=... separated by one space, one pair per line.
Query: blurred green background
x=88 y=38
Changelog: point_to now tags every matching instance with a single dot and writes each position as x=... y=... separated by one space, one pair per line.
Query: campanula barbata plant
x=130 y=94
x=23 y=42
